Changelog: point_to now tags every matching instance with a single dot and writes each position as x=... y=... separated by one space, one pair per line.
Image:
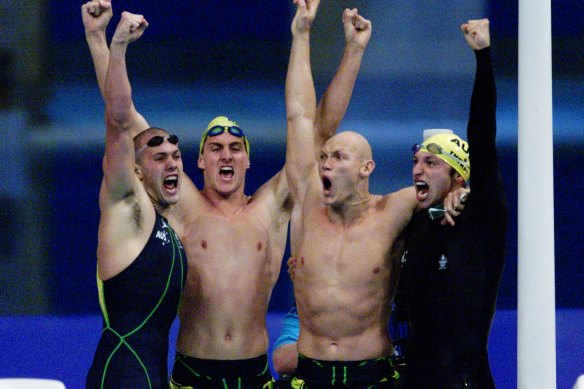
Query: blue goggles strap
x=218 y=130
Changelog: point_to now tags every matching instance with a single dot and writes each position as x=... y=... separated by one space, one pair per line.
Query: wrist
x=353 y=49
x=301 y=34
x=118 y=43
x=95 y=35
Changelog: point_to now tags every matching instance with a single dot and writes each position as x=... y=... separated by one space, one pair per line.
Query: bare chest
x=357 y=252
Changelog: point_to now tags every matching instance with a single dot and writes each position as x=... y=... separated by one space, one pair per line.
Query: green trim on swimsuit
x=122 y=338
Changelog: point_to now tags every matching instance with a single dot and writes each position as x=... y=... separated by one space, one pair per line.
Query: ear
x=458 y=180
x=367 y=168
x=138 y=171
x=201 y=162
x=248 y=165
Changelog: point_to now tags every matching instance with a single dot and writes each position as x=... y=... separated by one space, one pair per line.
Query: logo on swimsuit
x=162 y=234
x=404 y=258
x=442 y=262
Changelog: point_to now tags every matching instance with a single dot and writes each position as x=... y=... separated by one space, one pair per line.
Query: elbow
x=293 y=113
x=117 y=119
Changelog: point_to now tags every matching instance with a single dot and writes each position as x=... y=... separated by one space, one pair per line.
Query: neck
x=227 y=203
x=160 y=208
x=350 y=211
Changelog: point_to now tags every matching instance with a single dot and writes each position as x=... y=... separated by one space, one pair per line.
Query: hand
x=130 y=28
x=305 y=14
x=357 y=28
x=96 y=15
x=476 y=33
x=291 y=267
x=454 y=205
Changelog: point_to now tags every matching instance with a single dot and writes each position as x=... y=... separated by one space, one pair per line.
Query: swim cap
x=451 y=149
x=219 y=125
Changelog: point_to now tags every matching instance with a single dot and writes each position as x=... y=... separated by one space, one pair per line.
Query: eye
x=322 y=157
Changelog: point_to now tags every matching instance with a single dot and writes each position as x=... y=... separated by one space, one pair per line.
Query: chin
x=328 y=200
x=171 y=200
x=426 y=203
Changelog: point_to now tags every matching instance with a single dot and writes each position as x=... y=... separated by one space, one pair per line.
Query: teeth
x=226 y=169
x=420 y=183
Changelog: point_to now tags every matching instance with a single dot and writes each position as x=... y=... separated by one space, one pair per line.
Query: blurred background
x=200 y=59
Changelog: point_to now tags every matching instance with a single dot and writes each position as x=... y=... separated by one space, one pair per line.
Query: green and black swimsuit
x=139 y=306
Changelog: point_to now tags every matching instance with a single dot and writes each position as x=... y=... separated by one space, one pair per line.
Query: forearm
x=300 y=92
x=100 y=55
x=300 y=111
x=482 y=118
x=486 y=179
x=333 y=105
x=118 y=92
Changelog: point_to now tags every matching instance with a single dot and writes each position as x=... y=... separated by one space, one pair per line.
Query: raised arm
x=333 y=105
x=119 y=160
x=96 y=15
x=482 y=128
x=300 y=102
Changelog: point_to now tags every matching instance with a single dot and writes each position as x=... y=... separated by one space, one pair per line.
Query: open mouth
x=171 y=182
x=226 y=172
x=326 y=184
x=422 y=190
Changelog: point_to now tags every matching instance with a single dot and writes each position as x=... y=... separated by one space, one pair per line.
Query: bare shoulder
x=274 y=194
x=401 y=203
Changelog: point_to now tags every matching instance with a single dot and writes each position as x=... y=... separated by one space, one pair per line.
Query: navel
x=302 y=260
x=204 y=244
x=259 y=246
x=376 y=270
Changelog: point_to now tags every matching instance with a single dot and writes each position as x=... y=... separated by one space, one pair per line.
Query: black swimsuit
x=139 y=306
x=452 y=274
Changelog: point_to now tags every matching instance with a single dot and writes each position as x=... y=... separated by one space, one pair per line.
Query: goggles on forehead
x=157 y=140
x=218 y=130
x=436 y=149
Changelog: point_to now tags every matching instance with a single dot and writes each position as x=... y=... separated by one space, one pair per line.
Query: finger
x=463 y=198
x=447 y=219
x=366 y=25
x=92 y=8
x=348 y=15
x=359 y=22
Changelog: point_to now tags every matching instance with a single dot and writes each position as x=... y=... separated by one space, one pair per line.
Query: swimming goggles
x=436 y=149
x=157 y=140
x=218 y=130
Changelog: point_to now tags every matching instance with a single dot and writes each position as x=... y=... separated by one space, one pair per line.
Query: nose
x=171 y=164
x=326 y=163
x=417 y=169
x=226 y=154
